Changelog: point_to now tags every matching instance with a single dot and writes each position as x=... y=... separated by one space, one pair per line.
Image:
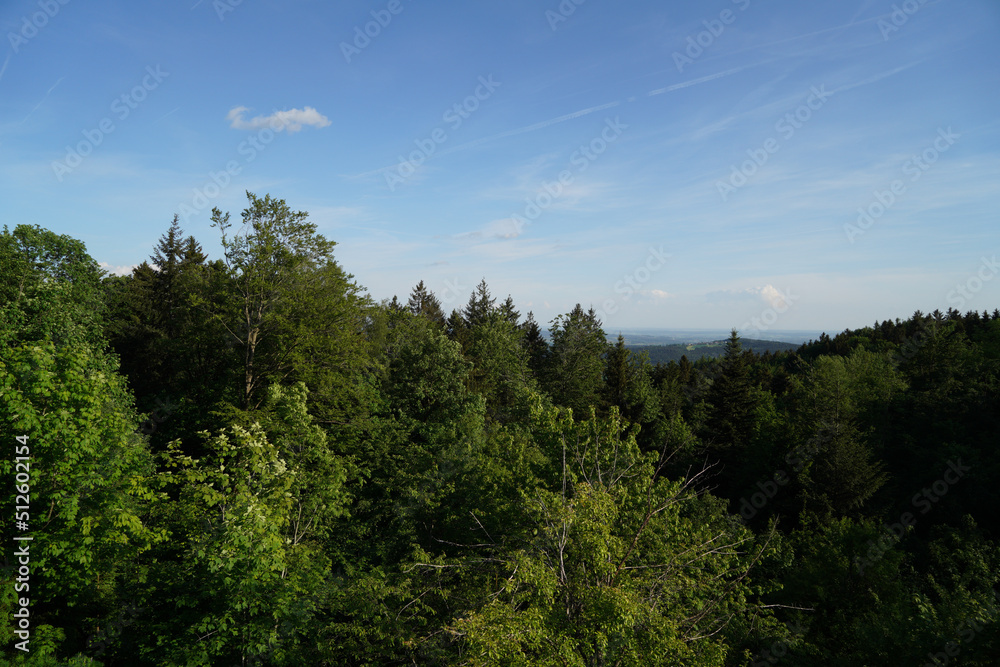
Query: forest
x=675 y=352
x=247 y=460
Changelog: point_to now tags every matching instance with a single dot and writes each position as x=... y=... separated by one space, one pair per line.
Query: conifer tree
x=423 y=302
x=574 y=377
x=535 y=345
x=731 y=399
x=480 y=305
x=509 y=312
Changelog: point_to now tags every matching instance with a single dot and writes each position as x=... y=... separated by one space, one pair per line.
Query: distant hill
x=660 y=336
x=716 y=348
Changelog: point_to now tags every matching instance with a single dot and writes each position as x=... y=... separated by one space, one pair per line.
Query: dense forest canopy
x=246 y=460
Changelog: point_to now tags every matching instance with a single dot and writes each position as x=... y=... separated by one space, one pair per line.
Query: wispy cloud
x=875 y=78
x=291 y=120
x=532 y=128
x=561 y=119
x=47 y=93
x=695 y=82
x=504 y=228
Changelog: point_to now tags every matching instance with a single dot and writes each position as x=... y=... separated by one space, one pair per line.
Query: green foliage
x=423 y=302
x=288 y=301
x=345 y=483
x=48 y=289
x=88 y=481
x=248 y=521
x=500 y=372
x=840 y=473
x=574 y=373
x=622 y=569
x=173 y=351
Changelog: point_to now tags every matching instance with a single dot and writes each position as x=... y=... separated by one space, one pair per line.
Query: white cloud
x=767 y=294
x=773 y=297
x=117 y=270
x=504 y=228
x=292 y=120
x=659 y=294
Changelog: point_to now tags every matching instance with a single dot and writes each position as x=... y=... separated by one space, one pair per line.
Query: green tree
x=246 y=568
x=49 y=289
x=88 y=470
x=629 y=387
x=732 y=400
x=293 y=313
x=574 y=377
x=509 y=312
x=175 y=354
x=838 y=471
x=223 y=580
x=609 y=576
x=423 y=302
x=535 y=345
x=428 y=425
x=480 y=306
x=500 y=372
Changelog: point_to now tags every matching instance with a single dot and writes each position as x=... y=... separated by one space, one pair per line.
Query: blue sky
x=763 y=165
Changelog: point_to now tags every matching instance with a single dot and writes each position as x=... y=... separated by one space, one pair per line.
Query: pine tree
x=423 y=302
x=535 y=345
x=574 y=378
x=480 y=305
x=616 y=375
x=731 y=422
x=509 y=312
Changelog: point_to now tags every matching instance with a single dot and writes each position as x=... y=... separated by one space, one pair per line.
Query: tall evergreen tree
x=480 y=306
x=423 y=302
x=509 y=312
x=173 y=351
x=731 y=398
x=574 y=377
x=535 y=345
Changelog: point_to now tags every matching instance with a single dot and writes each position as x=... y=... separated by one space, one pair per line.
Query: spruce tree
x=423 y=302
x=480 y=305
